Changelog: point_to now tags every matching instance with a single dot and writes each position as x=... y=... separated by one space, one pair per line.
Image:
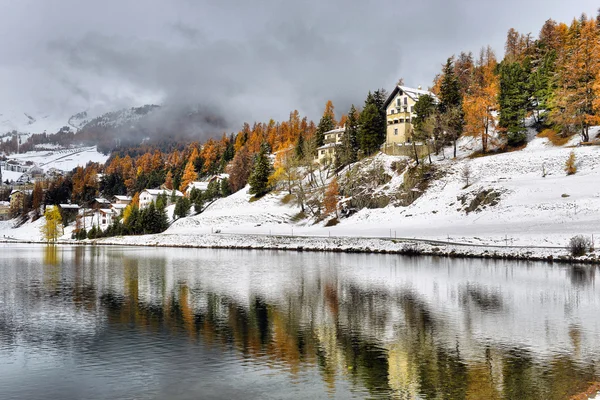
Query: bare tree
x=466 y=174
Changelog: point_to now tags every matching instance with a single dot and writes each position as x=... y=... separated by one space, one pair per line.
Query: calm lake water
x=135 y=323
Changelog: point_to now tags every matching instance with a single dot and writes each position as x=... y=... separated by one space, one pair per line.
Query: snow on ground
x=237 y=211
x=65 y=160
x=539 y=206
x=533 y=209
x=10 y=175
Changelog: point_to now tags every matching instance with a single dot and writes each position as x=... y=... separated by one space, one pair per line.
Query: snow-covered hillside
x=64 y=160
x=519 y=198
x=538 y=204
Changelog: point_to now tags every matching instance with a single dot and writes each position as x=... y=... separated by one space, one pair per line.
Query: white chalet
x=202 y=186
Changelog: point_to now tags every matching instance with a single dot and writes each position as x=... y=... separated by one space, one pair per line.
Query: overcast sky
x=249 y=60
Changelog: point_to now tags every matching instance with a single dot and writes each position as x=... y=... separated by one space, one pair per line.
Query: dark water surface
x=135 y=323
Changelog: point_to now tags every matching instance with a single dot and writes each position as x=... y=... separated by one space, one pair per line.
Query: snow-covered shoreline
x=404 y=246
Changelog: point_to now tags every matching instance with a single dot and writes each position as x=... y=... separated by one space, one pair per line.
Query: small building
x=400 y=111
x=4 y=210
x=100 y=202
x=332 y=139
x=202 y=186
x=148 y=196
x=219 y=178
x=36 y=172
x=68 y=212
x=18 y=198
x=103 y=218
x=118 y=208
x=118 y=199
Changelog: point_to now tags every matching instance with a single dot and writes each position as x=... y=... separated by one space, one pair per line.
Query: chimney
x=419 y=87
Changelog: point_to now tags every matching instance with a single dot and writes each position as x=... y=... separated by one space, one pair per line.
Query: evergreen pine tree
x=449 y=88
x=225 y=189
x=369 y=137
x=299 y=150
x=424 y=108
x=326 y=124
x=261 y=170
x=182 y=207
x=347 y=152
x=513 y=100
x=450 y=105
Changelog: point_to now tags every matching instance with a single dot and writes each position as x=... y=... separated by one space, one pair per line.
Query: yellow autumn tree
x=482 y=99
x=189 y=175
x=52 y=228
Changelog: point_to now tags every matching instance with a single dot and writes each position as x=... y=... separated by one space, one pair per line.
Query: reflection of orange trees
x=346 y=340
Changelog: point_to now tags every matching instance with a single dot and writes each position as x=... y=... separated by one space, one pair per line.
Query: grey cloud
x=246 y=61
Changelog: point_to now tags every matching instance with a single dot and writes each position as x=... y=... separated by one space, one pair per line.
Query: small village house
x=100 y=202
x=4 y=210
x=202 y=186
x=148 y=196
x=18 y=198
x=332 y=139
x=118 y=199
x=103 y=218
x=68 y=212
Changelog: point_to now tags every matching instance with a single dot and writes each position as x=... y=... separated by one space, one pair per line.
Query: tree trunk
x=428 y=152
x=416 y=154
x=455 y=139
x=485 y=136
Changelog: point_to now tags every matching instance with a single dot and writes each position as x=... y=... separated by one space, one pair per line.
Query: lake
x=157 y=323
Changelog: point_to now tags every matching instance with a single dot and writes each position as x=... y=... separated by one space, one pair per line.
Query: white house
x=103 y=218
x=148 y=196
x=202 y=186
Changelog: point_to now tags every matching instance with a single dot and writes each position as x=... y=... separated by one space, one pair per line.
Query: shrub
x=570 y=166
x=579 y=245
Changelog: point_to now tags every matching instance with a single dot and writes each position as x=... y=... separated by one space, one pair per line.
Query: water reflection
x=294 y=324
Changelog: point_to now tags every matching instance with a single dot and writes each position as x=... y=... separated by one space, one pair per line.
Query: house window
x=398 y=101
x=412 y=109
x=390 y=122
x=395 y=121
x=401 y=120
x=396 y=131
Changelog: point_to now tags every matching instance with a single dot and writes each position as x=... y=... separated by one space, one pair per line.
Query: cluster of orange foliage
x=279 y=136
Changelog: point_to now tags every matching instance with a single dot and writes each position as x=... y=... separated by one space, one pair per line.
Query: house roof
x=119 y=206
x=105 y=211
x=156 y=192
x=197 y=185
x=69 y=206
x=410 y=92
x=101 y=200
x=337 y=130
x=122 y=198
x=328 y=145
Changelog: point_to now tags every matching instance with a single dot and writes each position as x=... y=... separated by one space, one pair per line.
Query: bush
x=579 y=245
